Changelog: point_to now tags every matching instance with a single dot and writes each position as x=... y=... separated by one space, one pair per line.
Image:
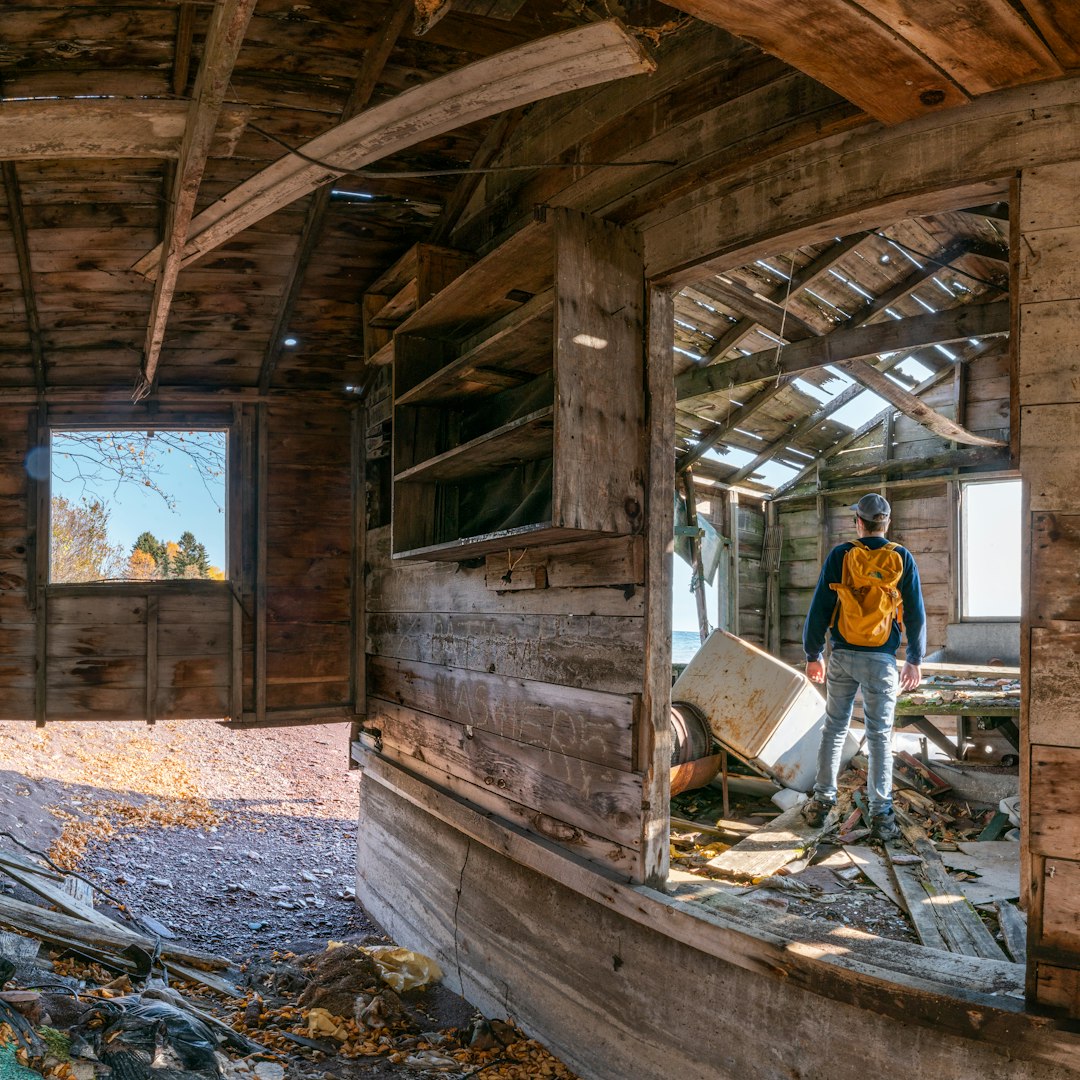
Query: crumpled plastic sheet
x=403 y=969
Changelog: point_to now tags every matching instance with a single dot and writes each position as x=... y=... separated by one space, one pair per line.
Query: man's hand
x=910 y=676
x=815 y=671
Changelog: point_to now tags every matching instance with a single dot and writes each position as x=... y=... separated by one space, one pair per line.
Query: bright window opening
x=136 y=505
x=990 y=553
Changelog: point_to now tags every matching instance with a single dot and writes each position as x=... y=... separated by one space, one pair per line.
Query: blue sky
x=134 y=508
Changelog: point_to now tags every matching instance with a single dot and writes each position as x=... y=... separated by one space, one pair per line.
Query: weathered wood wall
x=1047 y=219
x=524 y=701
x=298 y=574
x=624 y=983
x=271 y=644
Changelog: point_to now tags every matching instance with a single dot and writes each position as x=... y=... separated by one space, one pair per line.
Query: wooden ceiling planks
x=842 y=46
x=1059 y=23
x=983 y=45
x=578 y=58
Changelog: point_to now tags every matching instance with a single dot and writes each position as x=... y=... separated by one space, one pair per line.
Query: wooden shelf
x=528 y=438
x=409 y=284
x=493 y=287
x=540 y=534
x=511 y=351
x=398 y=307
x=517 y=396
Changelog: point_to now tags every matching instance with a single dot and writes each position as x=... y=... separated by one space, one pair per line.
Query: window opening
x=135 y=505
x=990 y=550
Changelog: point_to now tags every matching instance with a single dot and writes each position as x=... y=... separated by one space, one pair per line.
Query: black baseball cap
x=872 y=507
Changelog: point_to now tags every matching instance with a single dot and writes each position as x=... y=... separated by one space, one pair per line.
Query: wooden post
x=653 y=745
x=234 y=531
x=151 y=657
x=39 y=495
x=262 y=438
x=733 y=528
x=1048 y=288
x=695 y=548
x=358 y=639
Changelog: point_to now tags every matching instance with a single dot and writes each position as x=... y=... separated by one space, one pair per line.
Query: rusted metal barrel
x=693 y=763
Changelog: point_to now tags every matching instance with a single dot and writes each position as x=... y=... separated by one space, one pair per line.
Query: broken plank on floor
x=1013 y=923
x=771 y=848
x=942 y=916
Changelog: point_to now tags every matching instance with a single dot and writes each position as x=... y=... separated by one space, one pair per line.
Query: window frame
x=111 y=422
x=960 y=614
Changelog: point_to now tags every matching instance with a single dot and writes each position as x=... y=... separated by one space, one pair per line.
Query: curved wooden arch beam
x=553 y=65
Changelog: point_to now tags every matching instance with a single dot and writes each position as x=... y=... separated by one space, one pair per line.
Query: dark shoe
x=883 y=827
x=816 y=810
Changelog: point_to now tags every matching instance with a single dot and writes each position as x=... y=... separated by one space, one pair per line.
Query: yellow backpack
x=868 y=595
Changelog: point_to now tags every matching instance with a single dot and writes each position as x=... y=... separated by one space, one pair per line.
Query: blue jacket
x=823 y=607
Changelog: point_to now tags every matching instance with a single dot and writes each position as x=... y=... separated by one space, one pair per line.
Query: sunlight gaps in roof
x=860 y=409
x=915 y=369
x=919 y=300
x=730 y=455
x=774 y=473
x=829 y=303
x=818 y=393
x=907 y=254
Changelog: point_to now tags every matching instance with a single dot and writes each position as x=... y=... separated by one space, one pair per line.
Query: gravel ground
x=241 y=843
x=268 y=860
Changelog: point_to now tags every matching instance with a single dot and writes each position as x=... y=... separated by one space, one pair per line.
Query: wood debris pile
x=84 y=996
x=950 y=879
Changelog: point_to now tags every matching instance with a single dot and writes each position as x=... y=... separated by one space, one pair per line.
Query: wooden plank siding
x=1048 y=289
x=305 y=535
x=526 y=702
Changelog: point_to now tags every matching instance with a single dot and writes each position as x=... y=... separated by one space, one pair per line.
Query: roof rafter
x=585 y=56
x=22 y=255
x=228 y=24
x=384 y=39
x=954 y=324
x=928 y=383
x=812 y=272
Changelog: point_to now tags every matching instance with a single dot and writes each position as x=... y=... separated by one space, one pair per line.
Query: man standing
x=867 y=593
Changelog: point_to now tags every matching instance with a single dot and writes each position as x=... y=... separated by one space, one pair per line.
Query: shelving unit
x=413 y=280
x=518 y=396
x=410 y=283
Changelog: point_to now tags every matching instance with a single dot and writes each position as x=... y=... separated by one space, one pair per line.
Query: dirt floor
x=238 y=843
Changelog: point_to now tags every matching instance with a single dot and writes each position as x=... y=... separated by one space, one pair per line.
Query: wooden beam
x=808 y=423
x=762 y=309
x=586 y=56
x=384 y=39
x=106 y=128
x=228 y=24
x=858 y=433
x=22 y=255
x=947 y=460
x=956 y=324
x=185 y=33
x=911 y=406
x=891 y=296
x=842 y=46
x=486 y=152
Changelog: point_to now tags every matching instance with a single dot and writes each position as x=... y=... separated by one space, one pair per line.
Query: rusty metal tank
x=693 y=761
x=762 y=710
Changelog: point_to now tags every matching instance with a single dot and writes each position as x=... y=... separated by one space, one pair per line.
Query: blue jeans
x=876 y=674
